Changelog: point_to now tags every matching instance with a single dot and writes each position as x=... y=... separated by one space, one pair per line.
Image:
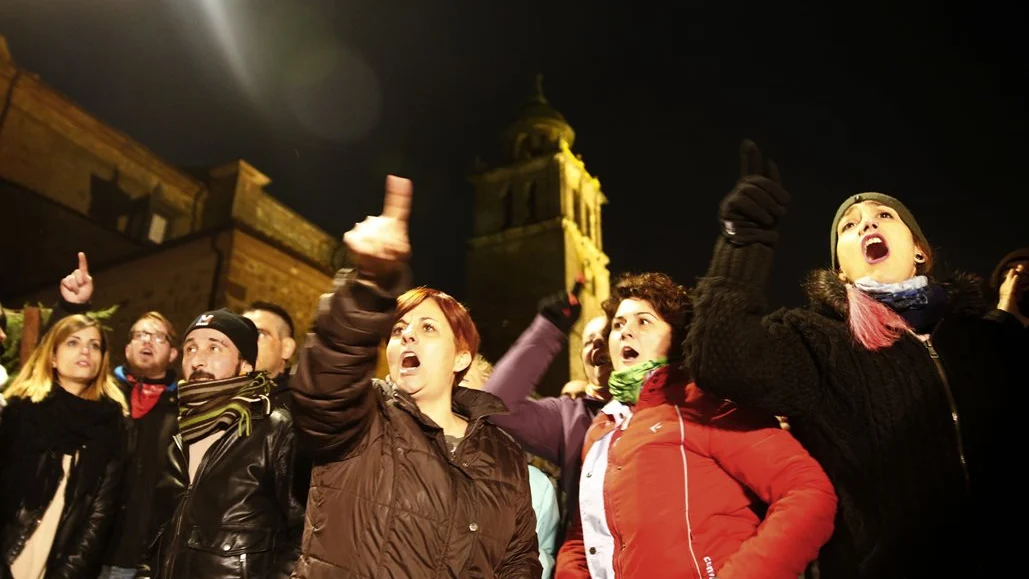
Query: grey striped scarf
x=209 y=405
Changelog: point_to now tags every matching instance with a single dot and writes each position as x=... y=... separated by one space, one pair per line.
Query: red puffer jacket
x=685 y=478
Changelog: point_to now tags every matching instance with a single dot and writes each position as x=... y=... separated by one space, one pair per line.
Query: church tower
x=537 y=226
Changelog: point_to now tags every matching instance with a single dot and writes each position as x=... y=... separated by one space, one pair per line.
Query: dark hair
x=275 y=309
x=672 y=301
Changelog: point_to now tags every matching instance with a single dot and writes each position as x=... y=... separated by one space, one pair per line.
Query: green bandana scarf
x=625 y=385
x=210 y=405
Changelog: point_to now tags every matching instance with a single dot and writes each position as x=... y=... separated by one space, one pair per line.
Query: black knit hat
x=1017 y=255
x=884 y=199
x=240 y=330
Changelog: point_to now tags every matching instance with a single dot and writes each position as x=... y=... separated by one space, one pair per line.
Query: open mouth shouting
x=598 y=356
x=629 y=356
x=409 y=363
x=875 y=248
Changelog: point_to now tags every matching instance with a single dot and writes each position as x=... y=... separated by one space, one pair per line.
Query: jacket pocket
x=230 y=542
x=241 y=553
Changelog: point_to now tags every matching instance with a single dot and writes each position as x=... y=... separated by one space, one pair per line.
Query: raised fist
x=751 y=212
x=563 y=308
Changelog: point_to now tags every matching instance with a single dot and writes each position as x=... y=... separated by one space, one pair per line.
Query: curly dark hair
x=673 y=302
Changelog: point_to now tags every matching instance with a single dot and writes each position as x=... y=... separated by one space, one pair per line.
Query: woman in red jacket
x=677 y=483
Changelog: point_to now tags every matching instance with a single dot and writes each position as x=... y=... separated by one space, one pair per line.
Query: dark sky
x=920 y=100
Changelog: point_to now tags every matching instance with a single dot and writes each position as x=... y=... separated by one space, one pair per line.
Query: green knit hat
x=884 y=199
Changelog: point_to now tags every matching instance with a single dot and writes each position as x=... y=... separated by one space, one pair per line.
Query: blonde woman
x=61 y=446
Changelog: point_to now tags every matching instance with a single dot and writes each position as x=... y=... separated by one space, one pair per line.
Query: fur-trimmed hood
x=828 y=295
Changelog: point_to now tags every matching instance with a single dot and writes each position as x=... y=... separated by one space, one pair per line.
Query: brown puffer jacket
x=387 y=499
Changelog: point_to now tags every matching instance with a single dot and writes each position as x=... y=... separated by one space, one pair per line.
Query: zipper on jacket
x=189 y=491
x=955 y=418
x=243 y=565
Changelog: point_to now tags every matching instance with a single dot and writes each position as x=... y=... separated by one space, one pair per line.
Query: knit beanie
x=241 y=331
x=1016 y=255
x=883 y=199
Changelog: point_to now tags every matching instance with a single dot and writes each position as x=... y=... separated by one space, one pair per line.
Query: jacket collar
x=170 y=379
x=828 y=295
x=667 y=385
x=471 y=404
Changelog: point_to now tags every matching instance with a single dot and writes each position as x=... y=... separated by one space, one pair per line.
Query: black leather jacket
x=93 y=487
x=148 y=439
x=240 y=517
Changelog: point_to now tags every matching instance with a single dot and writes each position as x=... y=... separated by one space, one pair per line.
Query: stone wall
x=51 y=146
x=273 y=219
x=258 y=271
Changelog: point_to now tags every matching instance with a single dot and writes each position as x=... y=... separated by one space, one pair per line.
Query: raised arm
x=801 y=501
x=336 y=404
x=733 y=350
x=535 y=424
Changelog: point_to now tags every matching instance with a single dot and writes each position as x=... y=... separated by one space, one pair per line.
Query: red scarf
x=144 y=396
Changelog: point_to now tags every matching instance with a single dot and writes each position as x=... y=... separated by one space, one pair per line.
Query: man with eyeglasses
x=148 y=381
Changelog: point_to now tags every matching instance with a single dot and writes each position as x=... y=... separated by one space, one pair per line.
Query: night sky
x=325 y=97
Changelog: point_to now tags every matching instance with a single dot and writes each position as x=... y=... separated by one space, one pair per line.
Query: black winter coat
x=91 y=499
x=915 y=439
x=148 y=439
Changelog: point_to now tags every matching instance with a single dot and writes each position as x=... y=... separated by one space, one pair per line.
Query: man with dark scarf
x=227 y=502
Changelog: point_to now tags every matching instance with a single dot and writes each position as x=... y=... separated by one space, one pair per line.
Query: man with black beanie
x=227 y=505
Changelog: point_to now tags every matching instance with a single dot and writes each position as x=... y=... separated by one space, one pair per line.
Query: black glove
x=752 y=210
x=562 y=309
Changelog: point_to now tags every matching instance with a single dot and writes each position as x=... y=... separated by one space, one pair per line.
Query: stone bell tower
x=537 y=225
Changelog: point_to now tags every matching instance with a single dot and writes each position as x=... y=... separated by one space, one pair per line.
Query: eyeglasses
x=155 y=337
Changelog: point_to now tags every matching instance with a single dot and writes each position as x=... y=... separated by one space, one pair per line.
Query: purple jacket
x=551 y=428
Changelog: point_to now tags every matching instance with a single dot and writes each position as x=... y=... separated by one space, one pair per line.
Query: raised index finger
x=398 y=198
x=83 y=265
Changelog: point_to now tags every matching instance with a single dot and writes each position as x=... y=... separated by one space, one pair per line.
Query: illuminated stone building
x=157 y=236
x=537 y=225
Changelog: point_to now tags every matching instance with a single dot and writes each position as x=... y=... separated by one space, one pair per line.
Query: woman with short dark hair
x=681 y=484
